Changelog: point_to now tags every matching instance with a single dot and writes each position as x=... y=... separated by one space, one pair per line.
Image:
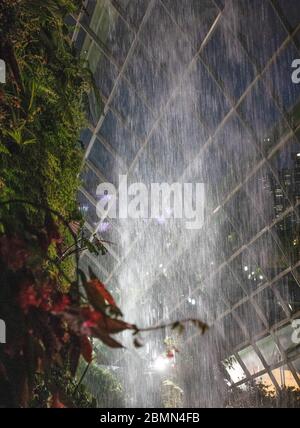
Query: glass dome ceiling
x=201 y=91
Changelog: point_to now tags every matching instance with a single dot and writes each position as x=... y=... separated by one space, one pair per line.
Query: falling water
x=196 y=92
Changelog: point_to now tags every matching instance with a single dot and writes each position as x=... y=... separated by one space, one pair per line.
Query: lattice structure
x=216 y=92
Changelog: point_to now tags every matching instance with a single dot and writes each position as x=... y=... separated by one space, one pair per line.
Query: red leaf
x=106 y=339
x=86 y=349
x=98 y=295
x=102 y=326
x=113 y=326
x=61 y=305
x=91 y=315
x=28 y=296
x=103 y=291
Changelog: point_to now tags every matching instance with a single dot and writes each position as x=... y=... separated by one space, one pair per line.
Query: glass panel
x=155 y=84
x=278 y=79
x=230 y=287
x=290 y=9
x=223 y=236
x=207 y=304
x=250 y=319
x=233 y=58
x=183 y=132
x=296 y=273
x=107 y=262
x=266 y=382
x=220 y=4
x=196 y=305
x=105 y=162
x=112 y=31
x=247 y=271
x=286 y=234
x=251 y=360
x=260 y=190
x=285 y=336
x=94 y=108
x=232 y=333
x=270 y=306
x=236 y=153
x=269 y=350
x=176 y=153
x=216 y=298
x=86 y=263
x=244 y=216
x=88 y=209
x=90 y=181
x=80 y=40
x=104 y=71
x=285 y=378
x=207 y=258
x=211 y=176
x=133 y=10
x=133 y=111
x=194 y=17
x=262 y=116
x=70 y=21
x=251 y=19
x=85 y=137
x=87 y=46
x=88 y=10
x=286 y=164
x=155 y=163
x=164 y=41
x=268 y=256
x=290 y=292
x=297 y=39
x=119 y=137
x=213 y=106
x=234 y=369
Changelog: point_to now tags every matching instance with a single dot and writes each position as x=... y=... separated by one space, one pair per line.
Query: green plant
x=103 y=385
x=42 y=104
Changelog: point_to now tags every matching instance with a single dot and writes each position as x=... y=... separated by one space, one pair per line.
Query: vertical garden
x=49 y=307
